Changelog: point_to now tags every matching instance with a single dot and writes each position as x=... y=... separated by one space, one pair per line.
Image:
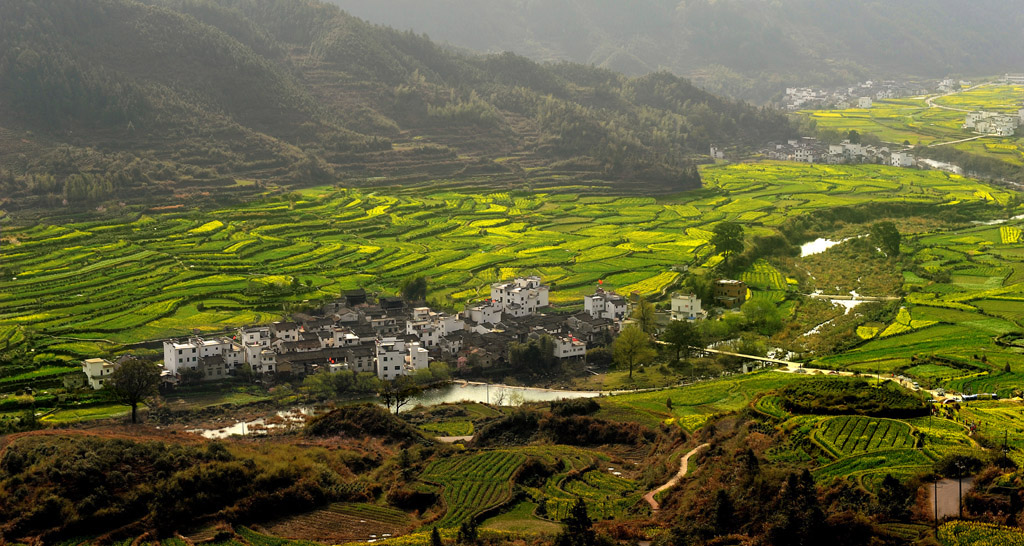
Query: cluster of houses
x=858 y=96
x=386 y=338
x=382 y=336
x=994 y=123
x=811 y=150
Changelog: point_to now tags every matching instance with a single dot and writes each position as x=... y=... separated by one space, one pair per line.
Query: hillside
x=746 y=48
x=122 y=99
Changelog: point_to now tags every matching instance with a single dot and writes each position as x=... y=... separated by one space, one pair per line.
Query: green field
x=121 y=278
x=971 y=533
x=946 y=334
x=694 y=404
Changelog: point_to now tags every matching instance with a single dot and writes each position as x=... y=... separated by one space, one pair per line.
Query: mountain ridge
x=179 y=98
x=749 y=49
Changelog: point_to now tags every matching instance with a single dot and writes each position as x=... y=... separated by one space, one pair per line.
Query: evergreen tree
x=578 y=527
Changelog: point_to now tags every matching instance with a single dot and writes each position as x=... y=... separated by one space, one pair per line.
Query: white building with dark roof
x=605 y=304
x=520 y=297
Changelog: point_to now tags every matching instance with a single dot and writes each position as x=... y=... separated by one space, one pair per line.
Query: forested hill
x=201 y=99
x=747 y=48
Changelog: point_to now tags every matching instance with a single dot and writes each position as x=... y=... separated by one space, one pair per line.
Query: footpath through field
x=683 y=465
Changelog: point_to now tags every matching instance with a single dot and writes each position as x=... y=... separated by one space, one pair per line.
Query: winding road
x=683 y=464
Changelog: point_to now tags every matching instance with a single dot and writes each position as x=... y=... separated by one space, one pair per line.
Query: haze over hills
x=745 y=48
x=177 y=97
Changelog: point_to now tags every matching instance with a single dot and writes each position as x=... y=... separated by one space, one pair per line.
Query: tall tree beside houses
x=681 y=335
x=644 y=316
x=632 y=347
x=134 y=381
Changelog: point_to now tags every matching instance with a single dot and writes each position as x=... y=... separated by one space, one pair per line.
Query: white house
x=430 y=327
x=287 y=331
x=97 y=370
x=417 y=359
x=717 y=153
x=266 y=362
x=605 y=304
x=569 y=347
x=804 y=155
x=901 y=159
x=686 y=307
x=520 y=297
x=1020 y=116
x=480 y=313
x=343 y=337
x=864 y=102
x=179 y=355
x=992 y=123
x=395 y=357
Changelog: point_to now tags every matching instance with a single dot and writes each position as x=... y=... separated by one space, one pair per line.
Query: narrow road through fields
x=930 y=101
x=958 y=141
x=683 y=464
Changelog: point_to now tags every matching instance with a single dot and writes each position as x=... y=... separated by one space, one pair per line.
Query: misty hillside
x=747 y=48
x=179 y=98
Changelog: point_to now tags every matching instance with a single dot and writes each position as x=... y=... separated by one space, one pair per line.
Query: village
x=858 y=96
x=863 y=95
x=387 y=337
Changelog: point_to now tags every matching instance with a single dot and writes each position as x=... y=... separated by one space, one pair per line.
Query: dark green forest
x=744 y=48
x=180 y=99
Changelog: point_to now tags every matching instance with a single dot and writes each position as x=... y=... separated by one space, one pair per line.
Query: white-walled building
x=686 y=307
x=605 y=304
x=286 y=331
x=417 y=359
x=864 y=102
x=570 y=347
x=390 y=358
x=97 y=370
x=717 y=153
x=179 y=355
x=484 y=312
x=521 y=297
x=992 y=123
x=902 y=159
x=430 y=327
x=397 y=357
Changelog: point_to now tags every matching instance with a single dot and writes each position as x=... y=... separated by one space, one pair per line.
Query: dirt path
x=683 y=464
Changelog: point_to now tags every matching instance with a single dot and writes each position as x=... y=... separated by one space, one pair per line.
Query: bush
x=574 y=406
x=364 y=420
x=823 y=396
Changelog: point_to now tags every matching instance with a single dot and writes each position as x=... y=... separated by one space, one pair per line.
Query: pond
x=817 y=246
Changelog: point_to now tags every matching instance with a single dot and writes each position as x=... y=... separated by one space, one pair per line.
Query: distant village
x=861 y=95
x=386 y=337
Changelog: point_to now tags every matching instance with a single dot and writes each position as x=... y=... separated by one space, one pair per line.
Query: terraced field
x=852 y=435
x=84 y=287
x=343 y=522
x=474 y=483
x=947 y=332
x=588 y=475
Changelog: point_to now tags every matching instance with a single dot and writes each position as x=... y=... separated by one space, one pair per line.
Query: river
x=500 y=395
